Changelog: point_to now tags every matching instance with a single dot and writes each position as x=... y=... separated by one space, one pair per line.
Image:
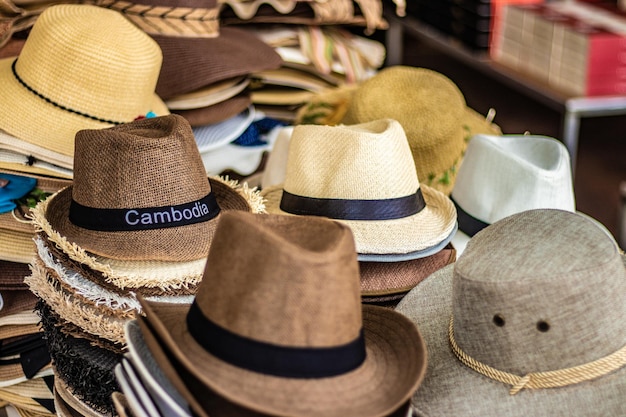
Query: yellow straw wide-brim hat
x=364 y=176
x=82 y=67
x=433 y=112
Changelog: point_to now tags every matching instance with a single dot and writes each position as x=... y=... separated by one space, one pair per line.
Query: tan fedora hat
x=364 y=176
x=433 y=113
x=291 y=346
x=534 y=307
x=140 y=192
x=82 y=67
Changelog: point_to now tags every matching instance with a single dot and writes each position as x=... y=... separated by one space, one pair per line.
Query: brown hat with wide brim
x=141 y=192
x=289 y=345
x=534 y=307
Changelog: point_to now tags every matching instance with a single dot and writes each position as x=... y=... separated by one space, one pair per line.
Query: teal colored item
x=12 y=188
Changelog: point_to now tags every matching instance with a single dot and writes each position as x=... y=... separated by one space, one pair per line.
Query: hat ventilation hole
x=498 y=320
x=543 y=326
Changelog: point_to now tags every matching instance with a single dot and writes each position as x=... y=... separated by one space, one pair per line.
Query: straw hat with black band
x=528 y=321
x=82 y=67
x=290 y=346
x=433 y=112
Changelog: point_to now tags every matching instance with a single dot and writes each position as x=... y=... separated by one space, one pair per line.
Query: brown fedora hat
x=289 y=345
x=140 y=192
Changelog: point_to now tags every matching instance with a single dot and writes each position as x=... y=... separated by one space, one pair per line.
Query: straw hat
x=382 y=357
x=364 y=176
x=433 y=113
x=213 y=136
x=82 y=67
x=537 y=291
x=216 y=113
x=504 y=175
x=140 y=193
x=70 y=404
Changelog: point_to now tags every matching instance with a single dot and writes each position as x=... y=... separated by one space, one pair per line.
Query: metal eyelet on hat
x=543 y=326
x=498 y=320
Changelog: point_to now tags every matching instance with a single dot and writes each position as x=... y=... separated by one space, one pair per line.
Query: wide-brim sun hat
x=217 y=113
x=82 y=67
x=141 y=192
x=363 y=176
x=433 y=112
x=504 y=327
x=213 y=136
x=383 y=357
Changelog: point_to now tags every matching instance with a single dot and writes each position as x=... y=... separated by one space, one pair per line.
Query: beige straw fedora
x=504 y=175
x=291 y=346
x=433 y=113
x=140 y=192
x=364 y=176
x=534 y=306
x=82 y=67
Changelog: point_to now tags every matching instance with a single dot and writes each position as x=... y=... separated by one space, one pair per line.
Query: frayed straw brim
x=163 y=275
x=182 y=243
x=70 y=404
x=93 y=320
x=445 y=387
x=393 y=369
x=388 y=278
x=420 y=231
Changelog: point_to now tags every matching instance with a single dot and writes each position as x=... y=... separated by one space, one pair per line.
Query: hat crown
x=504 y=175
x=292 y=281
x=367 y=161
x=146 y=163
x=91 y=60
x=538 y=291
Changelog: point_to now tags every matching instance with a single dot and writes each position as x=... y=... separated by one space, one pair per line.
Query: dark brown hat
x=292 y=335
x=140 y=192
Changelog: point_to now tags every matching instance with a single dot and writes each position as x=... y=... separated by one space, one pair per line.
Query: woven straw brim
x=420 y=231
x=209 y=95
x=217 y=112
x=32 y=388
x=12 y=275
x=38 y=168
x=210 y=137
x=70 y=308
x=387 y=278
x=15 y=330
x=17 y=301
x=71 y=404
x=23 y=317
x=121 y=404
x=14 y=374
x=182 y=243
x=187 y=66
x=55 y=129
x=445 y=388
x=16 y=246
x=162 y=275
x=26 y=402
x=161 y=388
x=391 y=372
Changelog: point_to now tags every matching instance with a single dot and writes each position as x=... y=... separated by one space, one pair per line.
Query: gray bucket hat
x=528 y=321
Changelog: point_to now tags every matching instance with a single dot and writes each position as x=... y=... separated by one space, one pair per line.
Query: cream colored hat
x=364 y=176
x=527 y=322
x=504 y=175
x=82 y=67
x=433 y=112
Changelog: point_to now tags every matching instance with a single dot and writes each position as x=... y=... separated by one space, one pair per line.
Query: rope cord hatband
x=54 y=103
x=548 y=379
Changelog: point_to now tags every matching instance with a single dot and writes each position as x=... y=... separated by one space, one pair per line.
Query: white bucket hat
x=504 y=175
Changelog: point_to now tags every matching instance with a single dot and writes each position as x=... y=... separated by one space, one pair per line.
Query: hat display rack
x=377 y=249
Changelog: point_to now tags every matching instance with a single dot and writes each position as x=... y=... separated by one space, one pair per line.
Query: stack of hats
x=316 y=59
x=138 y=219
x=528 y=321
x=206 y=69
x=278 y=332
x=504 y=175
x=428 y=105
x=364 y=176
x=82 y=67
